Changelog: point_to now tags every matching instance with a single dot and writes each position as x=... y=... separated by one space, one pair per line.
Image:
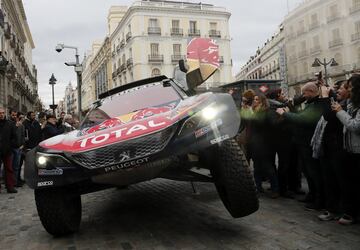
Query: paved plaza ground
x=162 y=214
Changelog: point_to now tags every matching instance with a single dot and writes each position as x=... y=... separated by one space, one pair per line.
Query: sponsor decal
x=123 y=133
x=219 y=139
x=202 y=131
x=57 y=171
x=134 y=163
x=45 y=183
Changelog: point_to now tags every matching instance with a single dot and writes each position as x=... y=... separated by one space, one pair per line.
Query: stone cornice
x=12 y=9
x=164 y=10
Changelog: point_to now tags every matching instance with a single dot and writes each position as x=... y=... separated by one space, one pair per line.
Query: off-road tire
x=59 y=210
x=234 y=180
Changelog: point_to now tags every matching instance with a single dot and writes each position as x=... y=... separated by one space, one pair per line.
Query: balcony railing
x=193 y=32
x=118 y=71
x=176 y=58
x=154 y=30
x=355 y=37
x=122 y=43
x=156 y=58
x=336 y=42
x=13 y=41
x=214 y=33
x=7 y=30
x=333 y=18
x=113 y=74
x=129 y=62
x=314 y=25
x=176 y=32
x=122 y=67
x=128 y=36
x=303 y=53
x=301 y=31
x=221 y=59
x=315 y=49
x=354 y=8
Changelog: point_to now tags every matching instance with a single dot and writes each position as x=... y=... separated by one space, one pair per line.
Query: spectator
x=20 y=131
x=305 y=122
x=260 y=145
x=50 y=129
x=351 y=169
x=7 y=142
x=281 y=141
x=32 y=131
x=60 y=123
x=68 y=121
x=333 y=152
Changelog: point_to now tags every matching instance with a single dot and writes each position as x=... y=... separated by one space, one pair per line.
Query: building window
x=175 y=24
x=177 y=49
x=336 y=34
x=154 y=49
x=193 y=25
x=153 y=23
x=155 y=72
x=213 y=26
x=357 y=26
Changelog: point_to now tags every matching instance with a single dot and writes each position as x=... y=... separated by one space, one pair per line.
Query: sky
x=80 y=22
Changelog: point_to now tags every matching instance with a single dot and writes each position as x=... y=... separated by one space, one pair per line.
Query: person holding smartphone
x=351 y=138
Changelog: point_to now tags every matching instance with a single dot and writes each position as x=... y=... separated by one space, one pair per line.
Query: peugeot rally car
x=147 y=129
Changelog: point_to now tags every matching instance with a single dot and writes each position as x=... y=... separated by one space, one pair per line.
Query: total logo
x=123 y=133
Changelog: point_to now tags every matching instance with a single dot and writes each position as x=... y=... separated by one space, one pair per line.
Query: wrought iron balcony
x=122 y=43
x=113 y=74
x=7 y=30
x=122 y=67
x=129 y=62
x=176 y=58
x=355 y=37
x=156 y=58
x=336 y=42
x=176 y=32
x=354 y=8
x=316 y=49
x=194 y=32
x=303 y=53
x=314 y=25
x=333 y=18
x=154 y=30
x=118 y=71
x=128 y=36
x=214 y=33
x=221 y=59
x=3 y=63
x=13 y=41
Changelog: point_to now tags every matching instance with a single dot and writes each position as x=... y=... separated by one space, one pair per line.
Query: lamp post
x=318 y=63
x=78 y=69
x=52 y=82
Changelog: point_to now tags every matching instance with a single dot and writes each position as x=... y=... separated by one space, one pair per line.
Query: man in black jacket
x=50 y=129
x=7 y=142
x=305 y=122
x=32 y=131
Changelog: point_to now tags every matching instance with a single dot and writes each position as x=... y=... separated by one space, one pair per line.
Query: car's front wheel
x=59 y=210
x=233 y=179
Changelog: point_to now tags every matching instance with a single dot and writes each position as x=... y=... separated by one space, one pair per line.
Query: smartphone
x=332 y=100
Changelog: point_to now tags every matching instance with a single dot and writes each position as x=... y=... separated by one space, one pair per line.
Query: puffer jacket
x=351 y=122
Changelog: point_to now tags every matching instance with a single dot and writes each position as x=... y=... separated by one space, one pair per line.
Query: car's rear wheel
x=59 y=210
x=233 y=179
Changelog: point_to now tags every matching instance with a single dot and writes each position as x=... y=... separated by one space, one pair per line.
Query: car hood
x=129 y=126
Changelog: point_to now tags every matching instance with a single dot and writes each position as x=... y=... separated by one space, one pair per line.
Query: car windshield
x=131 y=100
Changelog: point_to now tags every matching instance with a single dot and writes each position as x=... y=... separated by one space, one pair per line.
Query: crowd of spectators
x=315 y=135
x=19 y=134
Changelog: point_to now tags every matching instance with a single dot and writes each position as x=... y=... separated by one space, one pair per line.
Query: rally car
x=153 y=128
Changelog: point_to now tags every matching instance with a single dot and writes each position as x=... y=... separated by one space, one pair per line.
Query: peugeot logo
x=123 y=156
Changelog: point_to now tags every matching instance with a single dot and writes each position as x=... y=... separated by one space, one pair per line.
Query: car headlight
x=209 y=113
x=50 y=161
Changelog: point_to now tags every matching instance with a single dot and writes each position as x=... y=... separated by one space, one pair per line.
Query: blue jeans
x=16 y=163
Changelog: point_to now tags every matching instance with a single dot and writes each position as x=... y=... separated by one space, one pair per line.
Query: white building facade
x=18 y=75
x=322 y=29
x=152 y=36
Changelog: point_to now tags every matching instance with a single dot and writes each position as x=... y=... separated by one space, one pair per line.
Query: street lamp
x=52 y=82
x=318 y=63
x=78 y=69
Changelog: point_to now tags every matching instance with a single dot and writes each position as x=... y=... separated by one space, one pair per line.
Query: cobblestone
x=163 y=214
